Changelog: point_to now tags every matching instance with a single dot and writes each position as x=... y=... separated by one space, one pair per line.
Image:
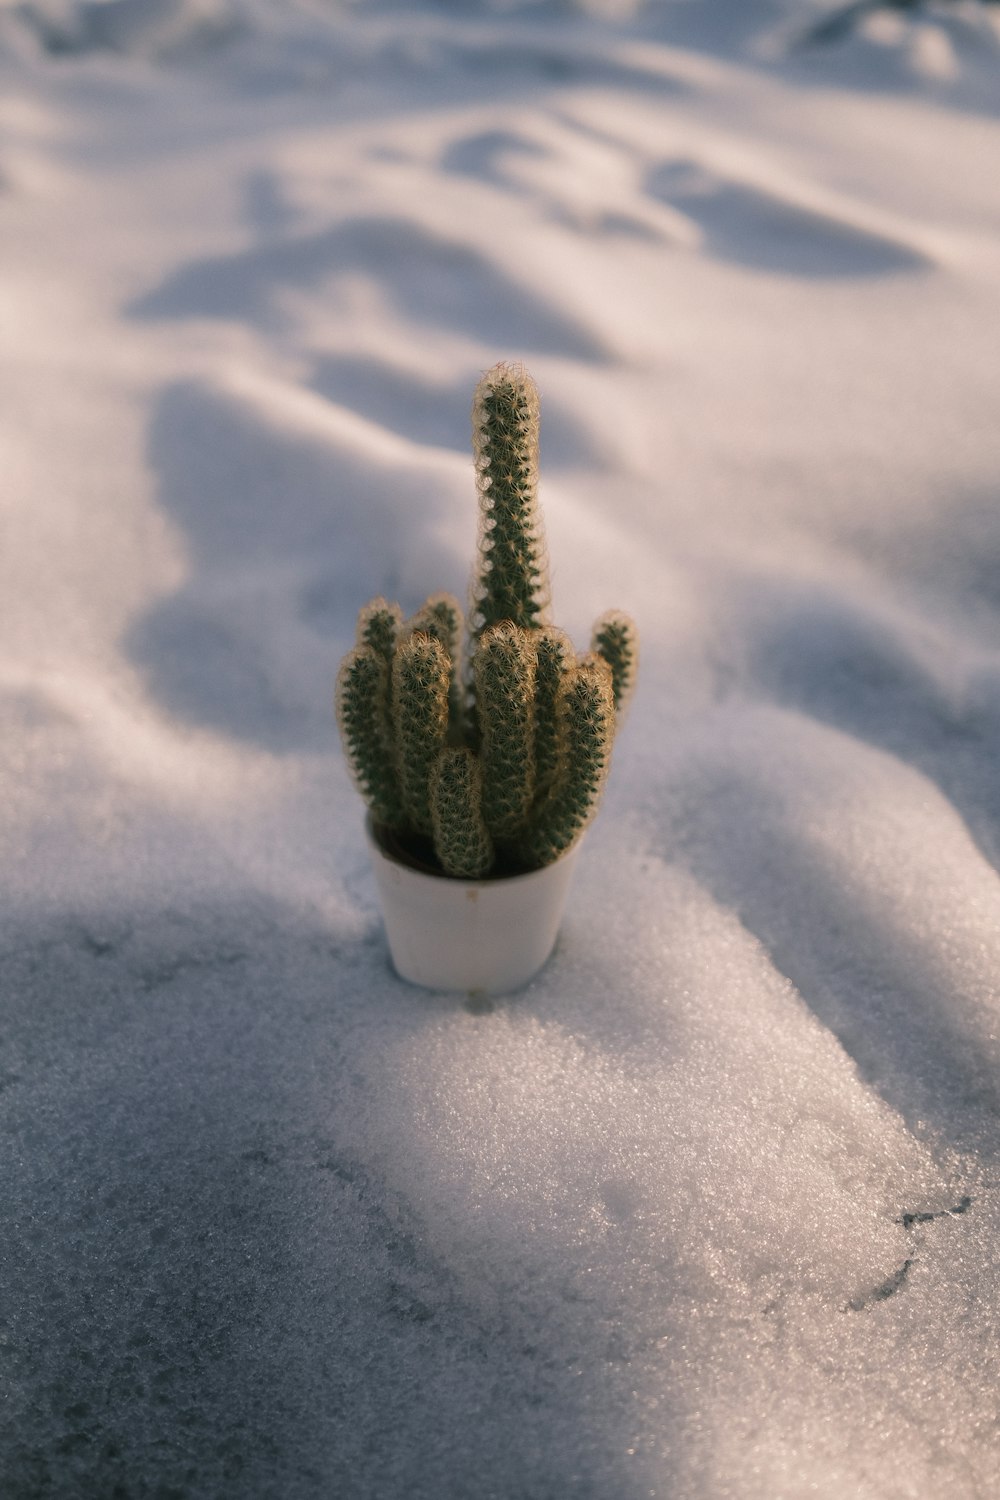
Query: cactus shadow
x=285 y=536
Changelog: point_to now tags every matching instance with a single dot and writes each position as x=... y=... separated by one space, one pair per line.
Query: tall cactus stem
x=512 y=579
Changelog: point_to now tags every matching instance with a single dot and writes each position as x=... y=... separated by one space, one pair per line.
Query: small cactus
x=504 y=774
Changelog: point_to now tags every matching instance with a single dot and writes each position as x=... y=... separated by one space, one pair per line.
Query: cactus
x=504 y=675
x=586 y=718
x=615 y=640
x=553 y=658
x=513 y=577
x=441 y=616
x=365 y=725
x=421 y=673
x=460 y=835
x=504 y=774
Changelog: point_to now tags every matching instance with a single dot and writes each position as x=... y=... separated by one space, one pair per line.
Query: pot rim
x=440 y=878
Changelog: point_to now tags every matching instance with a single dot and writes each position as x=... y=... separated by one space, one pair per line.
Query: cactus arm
x=461 y=840
x=441 y=616
x=555 y=656
x=512 y=581
x=364 y=728
x=420 y=678
x=587 y=727
x=504 y=672
x=379 y=626
x=616 y=639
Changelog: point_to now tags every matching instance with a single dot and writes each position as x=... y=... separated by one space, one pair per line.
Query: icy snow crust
x=710 y=1209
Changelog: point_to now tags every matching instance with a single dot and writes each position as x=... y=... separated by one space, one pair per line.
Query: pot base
x=483 y=937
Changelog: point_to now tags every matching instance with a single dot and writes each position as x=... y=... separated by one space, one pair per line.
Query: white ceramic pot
x=486 y=937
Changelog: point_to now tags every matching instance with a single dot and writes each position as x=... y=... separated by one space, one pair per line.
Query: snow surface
x=710 y=1209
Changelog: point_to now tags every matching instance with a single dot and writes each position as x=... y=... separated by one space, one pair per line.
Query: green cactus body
x=587 y=726
x=441 y=616
x=504 y=674
x=379 y=625
x=364 y=726
x=505 y=773
x=461 y=839
x=420 y=678
x=513 y=576
x=616 y=639
x=554 y=658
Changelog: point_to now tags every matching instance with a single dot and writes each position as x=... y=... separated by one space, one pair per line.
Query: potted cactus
x=482 y=760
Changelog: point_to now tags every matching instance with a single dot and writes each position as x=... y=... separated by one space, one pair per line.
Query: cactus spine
x=509 y=780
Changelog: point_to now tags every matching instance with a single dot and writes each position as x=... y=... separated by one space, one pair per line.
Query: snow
x=709 y=1210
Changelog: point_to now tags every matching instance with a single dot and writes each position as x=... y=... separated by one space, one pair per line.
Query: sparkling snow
x=709 y=1211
